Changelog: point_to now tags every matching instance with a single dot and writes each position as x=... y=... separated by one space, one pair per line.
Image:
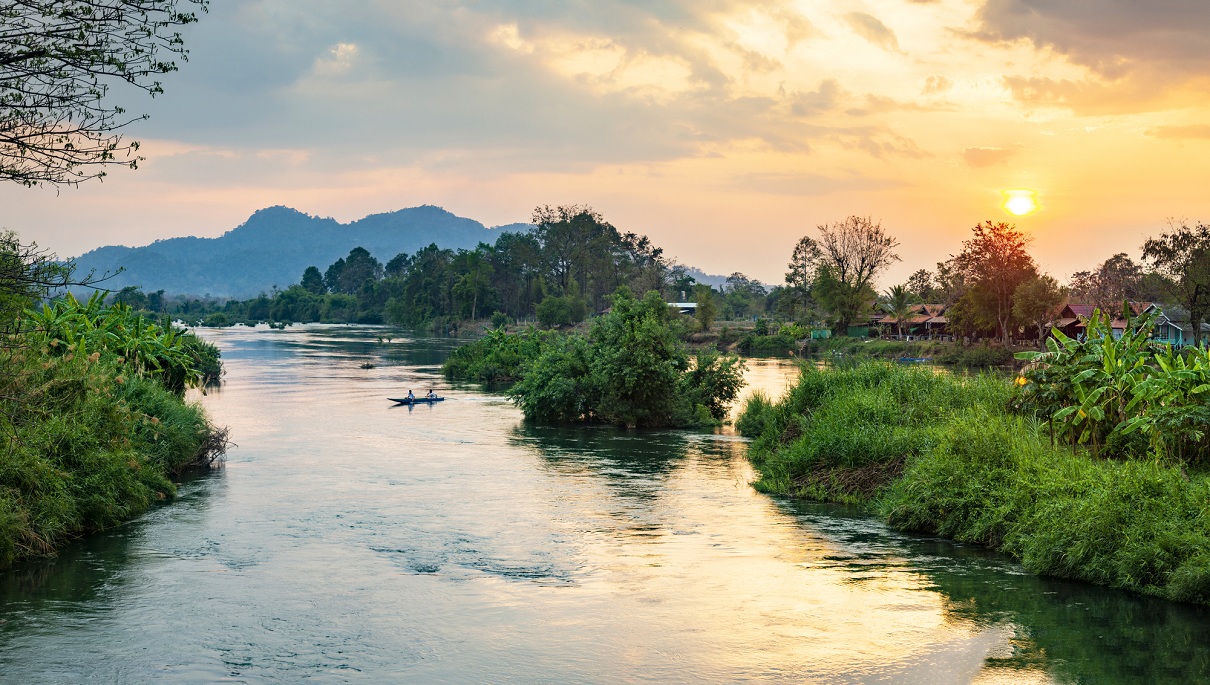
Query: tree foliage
x=631 y=370
x=1183 y=255
x=1037 y=301
x=27 y=274
x=58 y=62
x=851 y=253
x=899 y=301
x=994 y=262
x=803 y=269
x=560 y=271
x=1114 y=280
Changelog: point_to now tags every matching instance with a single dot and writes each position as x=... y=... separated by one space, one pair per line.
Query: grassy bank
x=941 y=454
x=94 y=423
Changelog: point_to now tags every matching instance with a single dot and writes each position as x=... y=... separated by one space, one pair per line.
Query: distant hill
x=274 y=246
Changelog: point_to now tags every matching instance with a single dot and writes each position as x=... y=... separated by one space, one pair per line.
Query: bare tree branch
x=58 y=60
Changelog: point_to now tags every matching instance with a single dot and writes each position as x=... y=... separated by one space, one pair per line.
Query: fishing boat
x=416 y=400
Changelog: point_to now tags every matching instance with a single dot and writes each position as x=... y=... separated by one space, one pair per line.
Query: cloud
x=495 y=83
x=873 y=30
x=936 y=84
x=822 y=100
x=1111 y=37
x=979 y=157
x=1138 y=55
x=1193 y=132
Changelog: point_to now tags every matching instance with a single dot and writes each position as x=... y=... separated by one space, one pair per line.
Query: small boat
x=416 y=400
x=915 y=360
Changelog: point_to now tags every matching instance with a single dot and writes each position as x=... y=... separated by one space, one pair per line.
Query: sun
x=1020 y=202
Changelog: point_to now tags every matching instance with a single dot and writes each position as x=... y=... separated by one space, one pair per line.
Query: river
x=348 y=540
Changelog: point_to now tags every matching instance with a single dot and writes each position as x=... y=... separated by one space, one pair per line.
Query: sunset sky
x=724 y=130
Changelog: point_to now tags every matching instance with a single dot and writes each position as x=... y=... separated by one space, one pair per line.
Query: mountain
x=274 y=246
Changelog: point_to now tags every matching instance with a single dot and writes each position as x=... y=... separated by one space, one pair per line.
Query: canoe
x=416 y=400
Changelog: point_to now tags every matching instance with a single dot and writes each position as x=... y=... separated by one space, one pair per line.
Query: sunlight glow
x=1020 y=202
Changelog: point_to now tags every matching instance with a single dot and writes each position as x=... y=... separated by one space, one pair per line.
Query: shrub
x=631 y=370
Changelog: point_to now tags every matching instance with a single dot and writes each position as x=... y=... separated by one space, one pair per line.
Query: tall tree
x=803 y=269
x=994 y=261
x=853 y=253
x=473 y=286
x=1183 y=255
x=58 y=61
x=360 y=266
x=332 y=275
x=313 y=281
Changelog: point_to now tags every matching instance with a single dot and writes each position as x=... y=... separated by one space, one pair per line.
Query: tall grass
x=93 y=423
x=942 y=454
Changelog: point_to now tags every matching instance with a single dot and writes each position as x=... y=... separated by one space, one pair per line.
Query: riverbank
x=940 y=454
x=92 y=405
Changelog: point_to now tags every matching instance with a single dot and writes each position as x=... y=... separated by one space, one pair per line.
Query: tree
x=899 y=301
x=332 y=275
x=27 y=274
x=1183 y=255
x=680 y=282
x=921 y=285
x=132 y=296
x=1037 y=301
x=313 y=281
x=743 y=296
x=853 y=252
x=399 y=265
x=995 y=262
x=58 y=61
x=706 y=308
x=474 y=284
x=1116 y=279
x=804 y=267
x=359 y=267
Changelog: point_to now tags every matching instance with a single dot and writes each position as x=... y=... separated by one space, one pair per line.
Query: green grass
x=87 y=445
x=941 y=454
x=946 y=353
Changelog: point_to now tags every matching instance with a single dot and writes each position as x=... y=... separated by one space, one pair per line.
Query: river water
x=349 y=540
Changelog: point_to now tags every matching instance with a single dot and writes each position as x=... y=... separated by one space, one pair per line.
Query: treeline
x=92 y=406
x=992 y=287
x=559 y=272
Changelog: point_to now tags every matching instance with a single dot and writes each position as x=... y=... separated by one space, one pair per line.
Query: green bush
x=631 y=370
x=94 y=444
x=495 y=358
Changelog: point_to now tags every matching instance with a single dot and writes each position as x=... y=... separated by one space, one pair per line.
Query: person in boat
x=410 y=395
x=432 y=395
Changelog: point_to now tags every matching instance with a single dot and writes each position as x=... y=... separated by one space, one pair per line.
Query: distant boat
x=915 y=360
x=416 y=400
